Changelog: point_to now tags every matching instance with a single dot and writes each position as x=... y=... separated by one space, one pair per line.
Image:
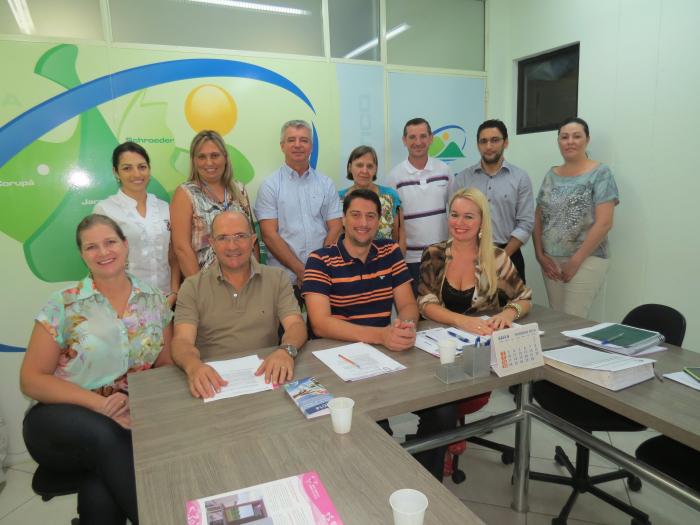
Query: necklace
x=224 y=204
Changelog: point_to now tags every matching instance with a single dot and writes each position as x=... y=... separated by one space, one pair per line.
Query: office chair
x=469 y=406
x=48 y=484
x=673 y=458
x=591 y=417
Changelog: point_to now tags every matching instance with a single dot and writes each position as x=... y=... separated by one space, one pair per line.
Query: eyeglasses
x=492 y=140
x=236 y=237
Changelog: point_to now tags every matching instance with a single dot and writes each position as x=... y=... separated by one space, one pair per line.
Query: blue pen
x=611 y=339
x=457 y=336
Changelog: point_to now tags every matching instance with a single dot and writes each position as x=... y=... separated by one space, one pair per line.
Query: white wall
x=639 y=90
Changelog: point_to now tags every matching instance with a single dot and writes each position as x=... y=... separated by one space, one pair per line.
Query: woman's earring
x=479 y=235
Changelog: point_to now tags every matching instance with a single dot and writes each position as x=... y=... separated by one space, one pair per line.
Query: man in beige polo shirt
x=235 y=307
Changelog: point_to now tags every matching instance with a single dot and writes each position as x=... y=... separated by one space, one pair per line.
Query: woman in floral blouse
x=362 y=170
x=85 y=342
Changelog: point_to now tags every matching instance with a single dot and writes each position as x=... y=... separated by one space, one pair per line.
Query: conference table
x=186 y=449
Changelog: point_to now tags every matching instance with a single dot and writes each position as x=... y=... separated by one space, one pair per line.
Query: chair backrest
x=668 y=321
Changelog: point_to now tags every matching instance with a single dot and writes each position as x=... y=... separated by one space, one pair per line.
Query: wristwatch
x=291 y=350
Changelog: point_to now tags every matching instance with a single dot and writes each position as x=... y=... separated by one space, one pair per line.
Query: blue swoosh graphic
x=42 y=118
x=8 y=348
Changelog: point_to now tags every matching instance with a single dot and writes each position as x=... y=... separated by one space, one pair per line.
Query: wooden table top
x=186 y=449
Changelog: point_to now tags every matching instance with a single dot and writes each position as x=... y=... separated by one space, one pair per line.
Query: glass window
x=279 y=26
x=547 y=89
x=439 y=33
x=66 y=19
x=354 y=29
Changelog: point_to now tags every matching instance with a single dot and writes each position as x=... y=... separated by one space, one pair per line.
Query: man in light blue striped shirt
x=507 y=187
x=297 y=206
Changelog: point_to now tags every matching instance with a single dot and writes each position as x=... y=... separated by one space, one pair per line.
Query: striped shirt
x=423 y=196
x=359 y=292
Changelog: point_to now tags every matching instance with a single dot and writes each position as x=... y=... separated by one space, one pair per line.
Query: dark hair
x=93 y=220
x=361 y=151
x=416 y=122
x=493 y=123
x=361 y=193
x=574 y=120
x=133 y=148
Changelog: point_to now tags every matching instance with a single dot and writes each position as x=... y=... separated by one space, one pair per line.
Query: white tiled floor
x=489 y=498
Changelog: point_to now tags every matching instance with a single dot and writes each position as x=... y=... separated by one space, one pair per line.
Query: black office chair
x=673 y=458
x=48 y=484
x=592 y=417
x=668 y=321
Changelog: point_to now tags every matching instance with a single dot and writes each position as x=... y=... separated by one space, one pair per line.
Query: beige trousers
x=576 y=296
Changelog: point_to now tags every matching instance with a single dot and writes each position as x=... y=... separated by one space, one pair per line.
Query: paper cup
x=409 y=506
x=341 y=414
x=448 y=351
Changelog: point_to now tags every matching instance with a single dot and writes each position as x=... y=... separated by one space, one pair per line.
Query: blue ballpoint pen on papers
x=611 y=339
x=457 y=336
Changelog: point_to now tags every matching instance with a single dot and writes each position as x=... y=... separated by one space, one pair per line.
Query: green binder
x=622 y=335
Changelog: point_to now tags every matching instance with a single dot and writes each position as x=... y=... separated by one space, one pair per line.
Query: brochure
x=310 y=396
x=297 y=500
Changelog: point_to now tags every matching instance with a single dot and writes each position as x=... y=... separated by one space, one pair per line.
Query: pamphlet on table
x=357 y=361
x=684 y=379
x=295 y=500
x=618 y=338
x=611 y=371
x=310 y=396
x=240 y=374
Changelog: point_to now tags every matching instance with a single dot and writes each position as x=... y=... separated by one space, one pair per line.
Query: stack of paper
x=240 y=374
x=357 y=361
x=618 y=338
x=427 y=340
x=610 y=371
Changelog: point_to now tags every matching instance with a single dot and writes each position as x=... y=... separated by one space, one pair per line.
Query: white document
x=684 y=379
x=584 y=357
x=357 y=361
x=427 y=340
x=240 y=374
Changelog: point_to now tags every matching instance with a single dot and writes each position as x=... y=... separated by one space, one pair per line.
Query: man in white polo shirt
x=421 y=183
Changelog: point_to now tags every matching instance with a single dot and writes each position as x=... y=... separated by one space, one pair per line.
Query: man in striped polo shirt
x=421 y=183
x=349 y=289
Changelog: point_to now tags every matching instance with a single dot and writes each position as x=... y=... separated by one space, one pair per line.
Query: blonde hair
x=486 y=256
x=227 y=178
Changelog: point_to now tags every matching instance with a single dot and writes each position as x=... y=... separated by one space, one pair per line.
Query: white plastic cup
x=341 y=414
x=409 y=506
x=448 y=351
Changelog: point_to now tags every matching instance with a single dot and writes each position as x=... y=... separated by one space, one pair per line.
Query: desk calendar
x=516 y=349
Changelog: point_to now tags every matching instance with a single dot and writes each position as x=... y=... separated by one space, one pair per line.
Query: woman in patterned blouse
x=574 y=214
x=209 y=190
x=466 y=275
x=362 y=170
x=84 y=343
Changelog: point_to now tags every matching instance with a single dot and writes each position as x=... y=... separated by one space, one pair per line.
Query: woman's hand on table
x=475 y=325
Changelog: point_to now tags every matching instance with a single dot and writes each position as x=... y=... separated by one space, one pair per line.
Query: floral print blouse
x=203 y=212
x=390 y=208
x=98 y=349
x=433 y=267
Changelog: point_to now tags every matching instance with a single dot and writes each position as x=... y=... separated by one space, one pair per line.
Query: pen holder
x=476 y=361
x=451 y=372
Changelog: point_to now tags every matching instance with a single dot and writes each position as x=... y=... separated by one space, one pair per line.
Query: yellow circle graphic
x=211 y=107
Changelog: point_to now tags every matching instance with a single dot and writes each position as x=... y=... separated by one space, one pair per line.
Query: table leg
x=521 y=470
